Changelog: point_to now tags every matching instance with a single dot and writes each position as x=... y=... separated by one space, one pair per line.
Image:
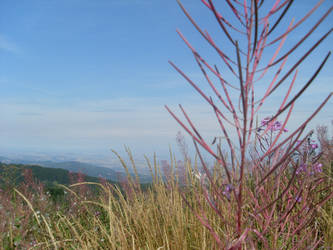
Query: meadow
x=168 y=214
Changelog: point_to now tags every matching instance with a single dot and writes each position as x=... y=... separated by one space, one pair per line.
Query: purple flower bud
x=226 y=194
x=227 y=190
x=276 y=126
x=265 y=121
x=317 y=167
x=301 y=168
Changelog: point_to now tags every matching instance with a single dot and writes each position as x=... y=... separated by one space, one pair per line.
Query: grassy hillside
x=85 y=168
x=167 y=215
x=77 y=167
x=14 y=174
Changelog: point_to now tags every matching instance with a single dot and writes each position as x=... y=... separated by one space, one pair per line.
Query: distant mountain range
x=14 y=174
x=76 y=166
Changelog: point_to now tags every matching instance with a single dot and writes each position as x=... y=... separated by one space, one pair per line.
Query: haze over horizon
x=83 y=77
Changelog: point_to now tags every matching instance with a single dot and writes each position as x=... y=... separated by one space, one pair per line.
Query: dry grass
x=156 y=218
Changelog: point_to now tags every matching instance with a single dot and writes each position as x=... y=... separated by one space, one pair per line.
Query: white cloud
x=141 y=123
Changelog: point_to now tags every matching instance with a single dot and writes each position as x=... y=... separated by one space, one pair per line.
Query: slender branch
x=299 y=22
x=280 y=17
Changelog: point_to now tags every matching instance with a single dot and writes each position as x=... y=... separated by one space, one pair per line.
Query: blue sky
x=86 y=76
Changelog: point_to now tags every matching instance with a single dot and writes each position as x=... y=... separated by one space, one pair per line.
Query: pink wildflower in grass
x=276 y=126
x=301 y=168
x=317 y=167
x=265 y=121
x=227 y=190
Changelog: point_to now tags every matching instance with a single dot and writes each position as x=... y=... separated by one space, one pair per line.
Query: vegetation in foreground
x=166 y=215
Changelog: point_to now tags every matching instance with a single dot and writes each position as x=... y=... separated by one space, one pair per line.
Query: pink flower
x=276 y=126
x=265 y=121
x=301 y=168
x=317 y=167
x=227 y=190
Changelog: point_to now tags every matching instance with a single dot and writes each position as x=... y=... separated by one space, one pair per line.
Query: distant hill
x=72 y=166
x=85 y=168
x=4 y=159
x=13 y=173
x=76 y=166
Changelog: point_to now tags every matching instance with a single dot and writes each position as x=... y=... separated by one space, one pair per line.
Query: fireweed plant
x=267 y=194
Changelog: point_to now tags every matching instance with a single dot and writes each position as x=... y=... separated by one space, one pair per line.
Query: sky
x=87 y=76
